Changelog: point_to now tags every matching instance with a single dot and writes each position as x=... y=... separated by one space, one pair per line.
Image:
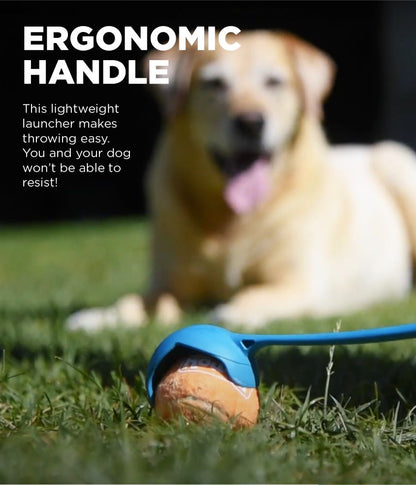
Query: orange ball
x=198 y=388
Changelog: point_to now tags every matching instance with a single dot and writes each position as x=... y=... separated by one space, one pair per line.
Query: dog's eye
x=214 y=83
x=273 y=81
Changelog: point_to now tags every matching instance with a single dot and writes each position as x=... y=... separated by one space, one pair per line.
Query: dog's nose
x=249 y=124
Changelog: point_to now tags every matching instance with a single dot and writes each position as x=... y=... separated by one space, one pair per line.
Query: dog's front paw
x=127 y=311
x=168 y=310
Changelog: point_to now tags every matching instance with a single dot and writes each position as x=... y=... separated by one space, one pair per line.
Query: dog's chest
x=246 y=257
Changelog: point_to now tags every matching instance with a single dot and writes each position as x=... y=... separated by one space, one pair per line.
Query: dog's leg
x=257 y=305
x=164 y=308
x=395 y=164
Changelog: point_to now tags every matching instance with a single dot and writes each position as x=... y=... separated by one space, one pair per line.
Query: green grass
x=73 y=407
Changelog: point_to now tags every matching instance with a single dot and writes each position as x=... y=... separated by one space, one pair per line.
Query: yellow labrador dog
x=252 y=210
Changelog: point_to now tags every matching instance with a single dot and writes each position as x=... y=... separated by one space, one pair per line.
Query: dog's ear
x=316 y=71
x=172 y=95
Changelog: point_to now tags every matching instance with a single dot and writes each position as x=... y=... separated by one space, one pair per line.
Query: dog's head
x=245 y=106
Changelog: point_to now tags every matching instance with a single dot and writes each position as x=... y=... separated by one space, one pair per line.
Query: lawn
x=73 y=406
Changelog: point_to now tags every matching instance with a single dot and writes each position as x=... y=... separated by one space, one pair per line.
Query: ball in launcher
x=198 y=388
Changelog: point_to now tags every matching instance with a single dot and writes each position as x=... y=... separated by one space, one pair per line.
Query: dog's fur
x=252 y=210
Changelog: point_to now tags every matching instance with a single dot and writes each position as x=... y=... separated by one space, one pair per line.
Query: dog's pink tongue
x=245 y=191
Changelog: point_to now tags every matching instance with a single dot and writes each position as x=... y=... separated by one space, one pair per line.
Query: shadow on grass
x=40 y=335
x=358 y=376
x=94 y=360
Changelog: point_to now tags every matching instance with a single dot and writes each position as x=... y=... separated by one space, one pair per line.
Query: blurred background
x=373 y=44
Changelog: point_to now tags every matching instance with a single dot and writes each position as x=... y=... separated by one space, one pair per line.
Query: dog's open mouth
x=247 y=180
